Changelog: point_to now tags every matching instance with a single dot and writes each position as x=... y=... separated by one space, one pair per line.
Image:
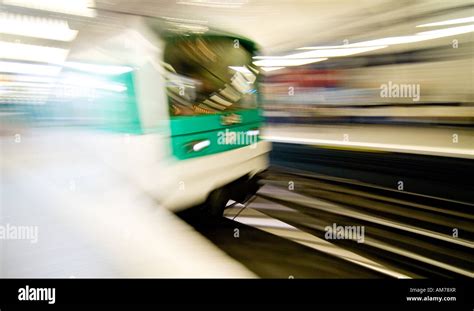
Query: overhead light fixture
x=390 y=41
x=421 y=36
x=72 y=7
x=31 y=69
x=304 y=58
x=268 y=69
x=450 y=22
x=98 y=69
x=284 y=62
x=38 y=53
x=339 y=50
x=384 y=42
x=36 y=27
x=336 y=52
x=446 y=32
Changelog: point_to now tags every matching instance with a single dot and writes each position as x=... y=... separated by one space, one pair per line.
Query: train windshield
x=209 y=75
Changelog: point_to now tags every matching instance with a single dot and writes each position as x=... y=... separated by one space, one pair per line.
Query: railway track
x=406 y=235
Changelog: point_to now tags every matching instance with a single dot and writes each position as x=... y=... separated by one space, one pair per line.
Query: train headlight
x=199 y=145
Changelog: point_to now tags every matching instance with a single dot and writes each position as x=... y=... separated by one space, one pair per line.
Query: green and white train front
x=215 y=120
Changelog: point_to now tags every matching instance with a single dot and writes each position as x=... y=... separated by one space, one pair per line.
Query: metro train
x=185 y=102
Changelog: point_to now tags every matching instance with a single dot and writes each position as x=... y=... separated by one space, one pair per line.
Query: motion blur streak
x=92 y=222
x=126 y=128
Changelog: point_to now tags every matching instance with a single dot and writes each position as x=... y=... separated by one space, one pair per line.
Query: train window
x=208 y=75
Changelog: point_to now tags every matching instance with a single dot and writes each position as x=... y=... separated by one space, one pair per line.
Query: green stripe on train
x=201 y=123
x=214 y=136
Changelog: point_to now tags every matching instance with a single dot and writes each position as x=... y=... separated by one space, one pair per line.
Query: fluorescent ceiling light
x=336 y=52
x=283 y=62
x=23 y=68
x=268 y=69
x=36 y=27
x=98 y=69
x=72 y=7
x=383 y=42
x=421 y=36
x=304 y=58
x=20 y=51
x=390 y=41
x=450 y=22
x=440 y=33
x=376 y=44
